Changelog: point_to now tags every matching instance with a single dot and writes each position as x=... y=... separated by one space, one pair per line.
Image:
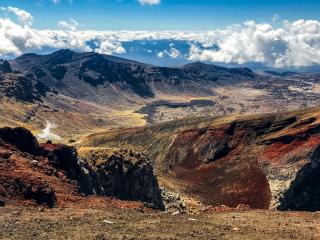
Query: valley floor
x=114 y=223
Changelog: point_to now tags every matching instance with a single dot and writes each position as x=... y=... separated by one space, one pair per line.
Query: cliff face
x=50 y=174
x=119 y=173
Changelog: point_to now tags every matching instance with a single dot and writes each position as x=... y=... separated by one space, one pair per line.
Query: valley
x=135 y=141
x=81 y=98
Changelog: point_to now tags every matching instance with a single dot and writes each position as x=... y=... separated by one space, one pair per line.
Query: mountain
x=87 y=92
x=99 y=77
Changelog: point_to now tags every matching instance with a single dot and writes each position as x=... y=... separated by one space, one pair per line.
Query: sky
x=192 y=15
x=274 y=34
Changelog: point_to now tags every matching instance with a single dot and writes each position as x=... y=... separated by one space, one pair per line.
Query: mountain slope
x=88 y=92
x=268 y=161
x=74 y=74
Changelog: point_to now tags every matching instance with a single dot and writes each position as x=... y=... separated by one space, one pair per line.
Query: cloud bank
x=294 y=44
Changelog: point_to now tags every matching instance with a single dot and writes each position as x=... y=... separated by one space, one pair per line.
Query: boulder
x=42 y=193
x=216 y=150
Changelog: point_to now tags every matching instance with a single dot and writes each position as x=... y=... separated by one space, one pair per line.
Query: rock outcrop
x=49 y=173
x=122 y=174
x=22 y=87
x=5 y=66
x=21 y=138
x=304 y=191
x=172 y=202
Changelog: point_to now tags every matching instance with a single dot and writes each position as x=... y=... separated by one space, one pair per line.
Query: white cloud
x=149 y=2
x=110 y=47
x=24 y=17
x=160 y=54
x=70 y=25
x=173 y=53
x=294 y=44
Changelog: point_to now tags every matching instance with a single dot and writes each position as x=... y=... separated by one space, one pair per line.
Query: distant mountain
x=5 y=67
x=101 y=78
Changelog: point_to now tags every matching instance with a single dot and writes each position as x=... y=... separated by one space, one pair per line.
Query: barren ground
x=106 y=223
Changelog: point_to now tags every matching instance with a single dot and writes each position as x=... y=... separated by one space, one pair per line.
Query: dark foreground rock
x=304 y=191
x=123 y=174
x=48 y=172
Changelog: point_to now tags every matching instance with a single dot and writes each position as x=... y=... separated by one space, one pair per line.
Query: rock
x=64 y=158
x=5 y=154
x=216 y=150
x=21 y=138
x=34 y=162
x=107 y=222
x=243 y=207
x=172 y=201
x=41 y=193
x=121 y=174
x=175 y=213
x=5 y=67
x=304 y=191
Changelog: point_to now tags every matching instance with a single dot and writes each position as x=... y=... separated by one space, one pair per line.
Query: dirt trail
x=107 y=223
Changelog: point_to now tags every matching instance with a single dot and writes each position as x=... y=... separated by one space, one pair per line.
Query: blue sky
x=277 y=34
x=168 y=15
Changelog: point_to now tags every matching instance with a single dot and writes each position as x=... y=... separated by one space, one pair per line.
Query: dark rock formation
x=22 y=87
x=64 y=158
x=5 y=67
x=58 y=72
x=216 y=150
x=121 y=174
x=124 y=174
x=21 y=138
x=41 y=193
x=304 y=192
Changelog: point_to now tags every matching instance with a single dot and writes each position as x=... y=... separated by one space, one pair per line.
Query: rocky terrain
x=267 y=162
x=53 y=174
x=199 y=150
x=85 y=93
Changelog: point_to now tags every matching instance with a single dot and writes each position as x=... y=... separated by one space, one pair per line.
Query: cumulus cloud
x=23 y=16
x=109 y=47
x=294 y=44
x=149 y=2
x=172 y=52
x=70 y=25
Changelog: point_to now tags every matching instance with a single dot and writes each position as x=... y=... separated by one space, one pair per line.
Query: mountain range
x=86 y=130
